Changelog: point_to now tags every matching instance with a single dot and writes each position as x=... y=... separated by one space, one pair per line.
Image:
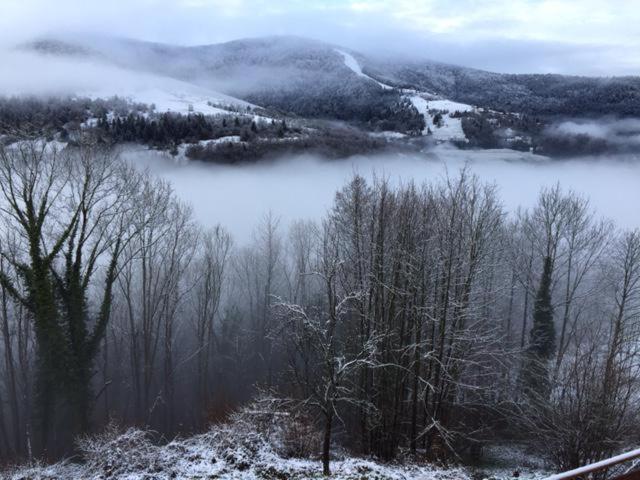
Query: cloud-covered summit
x=591 y=37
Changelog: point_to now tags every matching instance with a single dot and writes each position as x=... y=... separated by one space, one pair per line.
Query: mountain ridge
x=262 y=67
x=305 y=80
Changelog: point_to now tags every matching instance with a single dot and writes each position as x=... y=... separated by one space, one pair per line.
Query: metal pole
x=594 y=467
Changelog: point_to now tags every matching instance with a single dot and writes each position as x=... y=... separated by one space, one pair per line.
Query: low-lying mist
x=610 y=131
x=95 y=77
x=303 y=187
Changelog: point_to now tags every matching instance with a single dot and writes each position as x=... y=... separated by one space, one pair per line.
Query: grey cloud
x=619 y=132
x=372 y=30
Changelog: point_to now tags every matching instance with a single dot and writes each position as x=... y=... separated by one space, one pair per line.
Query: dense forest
x=416 y=320
x=531 y=94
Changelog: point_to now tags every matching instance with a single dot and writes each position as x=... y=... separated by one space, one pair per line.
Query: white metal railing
x=594 y=467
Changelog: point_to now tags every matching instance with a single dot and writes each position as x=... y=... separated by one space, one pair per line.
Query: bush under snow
x=259 y=442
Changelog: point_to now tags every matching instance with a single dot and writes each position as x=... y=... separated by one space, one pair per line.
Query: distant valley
x=247 y=100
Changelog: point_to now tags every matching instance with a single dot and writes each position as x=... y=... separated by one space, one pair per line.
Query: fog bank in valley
x=303 y=187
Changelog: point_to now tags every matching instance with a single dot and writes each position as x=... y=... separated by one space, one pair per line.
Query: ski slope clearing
x=355 y=67
x=449 y=106
x=447 y=129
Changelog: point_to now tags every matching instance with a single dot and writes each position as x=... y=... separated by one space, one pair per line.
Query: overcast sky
x=596 y=37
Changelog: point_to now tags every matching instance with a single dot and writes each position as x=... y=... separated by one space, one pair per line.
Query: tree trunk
x=10 y=381
x=326 y=445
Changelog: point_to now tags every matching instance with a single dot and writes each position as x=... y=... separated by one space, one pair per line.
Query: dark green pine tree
x=543 y=333
x=542 y=345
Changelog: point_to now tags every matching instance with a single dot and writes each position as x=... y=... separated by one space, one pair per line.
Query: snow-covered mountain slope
x=311 y=80
x=295 y=76
x=168 y=95
x=80 y=76
x=272 y=69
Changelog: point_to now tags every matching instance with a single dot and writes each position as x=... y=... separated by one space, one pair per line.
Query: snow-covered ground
x=450 y=128
x=449 y=106
x=388 y=135
x=217 y=141
x=197 y=459
x=226 y=454
x=255 y=443
x=170 y=99
x=49 y=146
x=94 y=79
x=166 y=94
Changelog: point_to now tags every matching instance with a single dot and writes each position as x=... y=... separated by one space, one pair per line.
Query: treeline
x=236 y=139
x=51 y=116
x=118 y=120
x=327 y=141
x=550 y=94
x=228 y=138
x=526 y=93
x=414 y=319
x=523 y=132
x=168 y=130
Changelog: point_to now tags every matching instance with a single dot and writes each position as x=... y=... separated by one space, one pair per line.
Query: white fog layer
x=304 y=187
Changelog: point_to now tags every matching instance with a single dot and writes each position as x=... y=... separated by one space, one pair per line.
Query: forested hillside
x=309 y=78
x=418 y=320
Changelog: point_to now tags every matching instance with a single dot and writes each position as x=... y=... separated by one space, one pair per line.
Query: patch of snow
x=448 y=153
x=450 y=128
x=388 y=135
x=423 y=94
x=226 y=452
x=262 y=119
x=178 y=98
x=215 y=141
x=257 y=443
x=449 y=106
x=251 y=447
x=91 y=122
